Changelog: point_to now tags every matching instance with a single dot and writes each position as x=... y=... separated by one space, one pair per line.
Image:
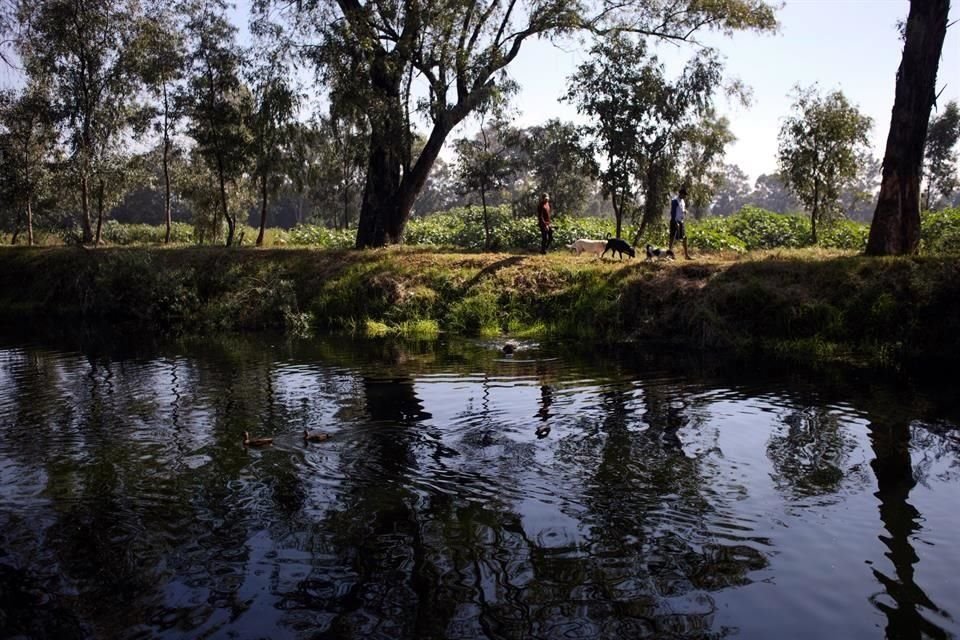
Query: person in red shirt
x=543 y=221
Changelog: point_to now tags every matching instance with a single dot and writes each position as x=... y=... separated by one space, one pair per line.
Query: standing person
x=543 y=221
x=678 y=208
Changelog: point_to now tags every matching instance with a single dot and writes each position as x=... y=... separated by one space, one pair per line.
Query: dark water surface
x=669 y=498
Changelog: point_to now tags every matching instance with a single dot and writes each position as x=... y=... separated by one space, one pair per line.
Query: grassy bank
x=794 y=303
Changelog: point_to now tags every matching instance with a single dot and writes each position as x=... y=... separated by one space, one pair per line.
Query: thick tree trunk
x=263 y=209
x=381 y=219
x=896 y=222
x=390 y=192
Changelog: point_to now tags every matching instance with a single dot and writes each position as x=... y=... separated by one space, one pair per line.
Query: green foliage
x=760 y=229
x=820 y=152
x=141 y=234
x=713 y=235
x=939 y=159
x=476 y=314
x=317 y=236
x=844 y=234
x=940 y=232
x=638 y=119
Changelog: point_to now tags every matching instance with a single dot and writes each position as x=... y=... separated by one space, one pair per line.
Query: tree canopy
x=371 y=52
x=820 y=148
x=939 y=155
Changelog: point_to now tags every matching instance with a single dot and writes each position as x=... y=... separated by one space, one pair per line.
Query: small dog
x=587 y=246
x=656 y=252
x=616 y=245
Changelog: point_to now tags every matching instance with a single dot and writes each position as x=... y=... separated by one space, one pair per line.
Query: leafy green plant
x=940 y=232
x=844 y=234
x=761 y=229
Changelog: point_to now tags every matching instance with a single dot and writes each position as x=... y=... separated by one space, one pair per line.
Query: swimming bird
x=256 y=442
x=509 y=348
x=316 y=436
x=543 y=431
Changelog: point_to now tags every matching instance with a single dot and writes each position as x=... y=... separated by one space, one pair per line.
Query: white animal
x=583 y=245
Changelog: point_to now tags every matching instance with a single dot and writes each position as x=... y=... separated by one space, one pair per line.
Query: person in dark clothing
x=543 y=220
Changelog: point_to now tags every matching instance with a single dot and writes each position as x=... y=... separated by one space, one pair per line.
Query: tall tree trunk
x=486 y=219
x=263 y=208
x=346 y=204
x=381 y=220
x=347 y=178
x=896 y=222
x=16 y=228
x=815 y=212
x=29 y=220
x=813 y=224
x=618 y=212
x=231 y=225
x=389 y=192
x=166 y=166
x=85 y=208
x=30 y=188
x=100 y=189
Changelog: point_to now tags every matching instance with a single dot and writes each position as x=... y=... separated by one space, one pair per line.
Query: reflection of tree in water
x=812 y=456
x=936 y=442
x=652 y=560
x=907 y=607
x=379 y=585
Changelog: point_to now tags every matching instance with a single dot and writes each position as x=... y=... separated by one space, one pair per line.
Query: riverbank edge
x=886 y=312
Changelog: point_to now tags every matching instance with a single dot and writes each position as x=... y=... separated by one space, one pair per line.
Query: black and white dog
x=616 y=245
x=656 y=252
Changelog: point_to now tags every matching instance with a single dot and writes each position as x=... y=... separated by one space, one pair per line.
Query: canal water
x=555 y=492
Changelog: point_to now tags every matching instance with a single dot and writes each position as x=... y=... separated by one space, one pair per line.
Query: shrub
x=713 y=235
x=134 y=234
x=761 y=229
x=317 y=236
x=844 y=234
x=940 y=232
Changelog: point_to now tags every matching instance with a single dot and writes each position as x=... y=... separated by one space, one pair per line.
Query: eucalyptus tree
x=896 y=222
x=939 y=155
x=440 y=191
x=770 y=192
x=460 y=51
x=162 y=61
x=820 y=149
x=701 y=154
x=560 y=164
x=346 y=144
x=85 y=49
x=485 y=163
x=639 y=119
x=276 y=103
x=732 y=192
x=9 y=25
x=217 y=102
x=28 y=134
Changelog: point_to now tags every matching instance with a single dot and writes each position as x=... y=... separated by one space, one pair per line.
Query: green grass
x=824 y=303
